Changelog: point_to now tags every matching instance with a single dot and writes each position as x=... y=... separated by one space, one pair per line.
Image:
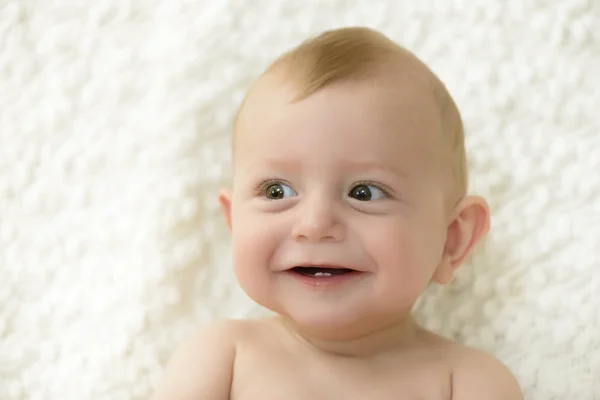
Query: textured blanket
x=115 y=122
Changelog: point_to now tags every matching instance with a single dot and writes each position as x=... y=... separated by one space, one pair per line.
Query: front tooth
x=322 y=274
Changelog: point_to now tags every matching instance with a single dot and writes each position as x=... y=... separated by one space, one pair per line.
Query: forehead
x=394 y=122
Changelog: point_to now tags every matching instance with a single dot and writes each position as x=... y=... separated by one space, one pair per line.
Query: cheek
x=255 y=239
x=252 y=242
x=405 y=249
x=391 y=239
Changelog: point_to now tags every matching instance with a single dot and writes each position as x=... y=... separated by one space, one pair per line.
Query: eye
x=277 y=191
x=366 y=192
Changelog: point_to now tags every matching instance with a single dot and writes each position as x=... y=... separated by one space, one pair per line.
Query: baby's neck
x=395 y=337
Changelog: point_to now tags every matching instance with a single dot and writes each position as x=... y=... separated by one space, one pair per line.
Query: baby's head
x=349 y=154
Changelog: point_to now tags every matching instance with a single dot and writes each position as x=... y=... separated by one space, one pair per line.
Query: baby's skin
x=344 y=207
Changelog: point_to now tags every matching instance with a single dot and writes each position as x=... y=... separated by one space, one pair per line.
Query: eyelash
x=384 y=189
x=264 y=184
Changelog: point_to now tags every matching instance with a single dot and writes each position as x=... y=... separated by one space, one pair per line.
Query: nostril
x=318 y=231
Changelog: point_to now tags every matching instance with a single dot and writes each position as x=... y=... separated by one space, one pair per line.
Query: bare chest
x=274 y=377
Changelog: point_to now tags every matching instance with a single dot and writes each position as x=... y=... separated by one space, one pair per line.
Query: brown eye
x=366 y=193
x=361 y=192
x=277 y=191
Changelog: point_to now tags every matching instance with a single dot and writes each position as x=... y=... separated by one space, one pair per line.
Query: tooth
x=322 y=274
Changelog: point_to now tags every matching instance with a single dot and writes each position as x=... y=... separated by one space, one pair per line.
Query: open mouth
x=321 y=272
x=323 y=276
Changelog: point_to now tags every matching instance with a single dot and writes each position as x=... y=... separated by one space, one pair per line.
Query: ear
x=469 y=224
x=224 y=199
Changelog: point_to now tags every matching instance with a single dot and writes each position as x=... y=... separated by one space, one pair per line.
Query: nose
x=317 y=221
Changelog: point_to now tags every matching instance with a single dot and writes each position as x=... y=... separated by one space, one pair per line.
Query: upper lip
x=322 y=265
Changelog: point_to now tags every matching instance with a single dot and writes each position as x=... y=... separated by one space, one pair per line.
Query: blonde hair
x=354 y=54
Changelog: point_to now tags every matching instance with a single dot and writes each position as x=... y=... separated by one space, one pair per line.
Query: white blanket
x=115 y=120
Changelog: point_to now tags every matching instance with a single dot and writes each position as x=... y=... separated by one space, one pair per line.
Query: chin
x=329 y=324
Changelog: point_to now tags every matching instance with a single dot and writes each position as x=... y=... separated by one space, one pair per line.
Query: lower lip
x=324 y=281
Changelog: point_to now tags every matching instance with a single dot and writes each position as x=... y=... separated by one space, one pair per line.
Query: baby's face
x=349 y=179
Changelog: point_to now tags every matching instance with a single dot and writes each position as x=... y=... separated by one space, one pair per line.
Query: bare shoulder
x=478 y=375
x=202 y=365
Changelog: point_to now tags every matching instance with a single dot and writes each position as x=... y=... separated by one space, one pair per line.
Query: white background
x=115 y=121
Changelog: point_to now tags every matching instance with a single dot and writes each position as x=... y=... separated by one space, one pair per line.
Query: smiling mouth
x=321 y=272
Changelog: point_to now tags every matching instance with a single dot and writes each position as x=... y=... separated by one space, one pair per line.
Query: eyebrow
x=373 y=166
x=352 y=165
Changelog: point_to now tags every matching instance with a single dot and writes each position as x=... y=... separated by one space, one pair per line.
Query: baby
x=348 y=199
